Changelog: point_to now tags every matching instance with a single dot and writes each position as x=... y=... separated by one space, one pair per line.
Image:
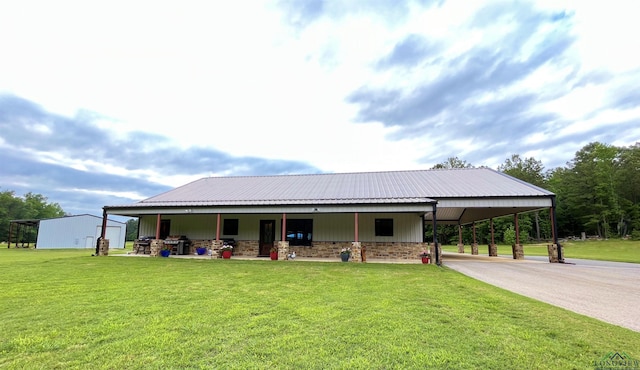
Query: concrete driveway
x=608 y=291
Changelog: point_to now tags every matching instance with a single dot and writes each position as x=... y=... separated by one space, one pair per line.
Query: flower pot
x=345 y=257
x=226 y=254
x=425 y=259
x=273 y=256
x=165 y=253
x=201 y=251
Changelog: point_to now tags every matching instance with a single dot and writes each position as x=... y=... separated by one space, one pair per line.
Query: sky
x=111 y=102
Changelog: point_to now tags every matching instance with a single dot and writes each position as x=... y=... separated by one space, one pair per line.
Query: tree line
x=597 y=192
x=28 y=207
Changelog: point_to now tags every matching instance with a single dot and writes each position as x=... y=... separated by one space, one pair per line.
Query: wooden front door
x=267 y=236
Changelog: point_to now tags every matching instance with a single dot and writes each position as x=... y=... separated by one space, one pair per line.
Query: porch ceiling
x=465 y=215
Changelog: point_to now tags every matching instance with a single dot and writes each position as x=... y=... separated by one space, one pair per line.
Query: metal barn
x=80 y=231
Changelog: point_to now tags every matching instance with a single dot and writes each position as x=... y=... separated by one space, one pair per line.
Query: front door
x=267 y=236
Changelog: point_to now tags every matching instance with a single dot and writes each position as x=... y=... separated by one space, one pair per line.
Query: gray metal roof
x=346 y=188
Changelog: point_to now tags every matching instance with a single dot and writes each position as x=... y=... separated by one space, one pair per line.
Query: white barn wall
x=80 y=231
x=326 y=226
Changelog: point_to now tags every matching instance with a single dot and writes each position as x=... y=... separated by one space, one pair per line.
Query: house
x=80 y=231
x=316 y=215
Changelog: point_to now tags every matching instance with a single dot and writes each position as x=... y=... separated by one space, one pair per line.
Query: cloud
x=474 y=93
x=74 y=159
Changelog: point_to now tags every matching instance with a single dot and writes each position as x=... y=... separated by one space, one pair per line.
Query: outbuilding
x=318 y=215
x=80 y=231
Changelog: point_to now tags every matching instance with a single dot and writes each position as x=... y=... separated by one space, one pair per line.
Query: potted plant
x=345 y=254
x=201 y=251
x=426 y=256
x=226 y=251
x=165 y=251
x=273 y=253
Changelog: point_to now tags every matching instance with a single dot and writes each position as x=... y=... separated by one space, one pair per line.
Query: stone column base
x=215 y=248
x=474 y=249
x=356 y=252
x=156 y=247
x=518 y=251
x=432 y=252
x=553 y=253
x=283 y=250
x=460 y=248
x=493 y=250
x=103 y=247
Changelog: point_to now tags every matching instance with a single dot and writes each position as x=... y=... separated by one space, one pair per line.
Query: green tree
x=31 y=206
x=452 y=162
x=531 y=171
x=132 y=229
x=528 y=169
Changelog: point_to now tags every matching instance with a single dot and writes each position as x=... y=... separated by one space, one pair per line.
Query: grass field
x=605 y=250
x=66 y=309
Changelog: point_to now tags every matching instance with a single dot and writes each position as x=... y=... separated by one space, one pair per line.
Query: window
x=299 y=232
x=384 y=226
x=230 y=226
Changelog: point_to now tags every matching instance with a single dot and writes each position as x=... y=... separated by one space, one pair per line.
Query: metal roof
x=346 y=188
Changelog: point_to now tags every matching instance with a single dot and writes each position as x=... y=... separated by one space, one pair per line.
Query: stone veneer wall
x=374 y=250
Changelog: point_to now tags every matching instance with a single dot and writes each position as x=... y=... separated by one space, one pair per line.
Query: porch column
x=493 y=248
x=460 y=244
x=102 y=246
x=283 y=236
x=474 y=245
x=158 y=218
x=556 y=253
x=218 y=227
x=356 y=228
x=103 y=231
x=517 y=249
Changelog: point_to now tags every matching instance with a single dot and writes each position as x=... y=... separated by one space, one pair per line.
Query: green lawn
x=66 y=309
x=605 y=250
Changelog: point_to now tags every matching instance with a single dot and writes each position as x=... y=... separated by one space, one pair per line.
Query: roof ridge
x=342 y=173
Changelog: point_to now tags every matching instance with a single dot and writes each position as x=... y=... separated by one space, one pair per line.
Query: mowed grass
x=616 y=250
x=65 y=309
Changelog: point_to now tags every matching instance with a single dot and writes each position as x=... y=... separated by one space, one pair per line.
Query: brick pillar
x=103 y=247
x=156 y=247
x=518 y=251
x=493 y=250
x=356 y=249
x=474 y=249
x=283 y=250
x=553 y=253
x=215 y=248
x=460 y=248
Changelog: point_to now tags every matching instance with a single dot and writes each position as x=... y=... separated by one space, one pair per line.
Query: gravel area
x=608 y=291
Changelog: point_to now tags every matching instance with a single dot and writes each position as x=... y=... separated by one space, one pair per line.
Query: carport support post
x=555 y=249
x=436 y=247
x=474 y=245
x=493 y=248
x=517 y=250
x=460 y=244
